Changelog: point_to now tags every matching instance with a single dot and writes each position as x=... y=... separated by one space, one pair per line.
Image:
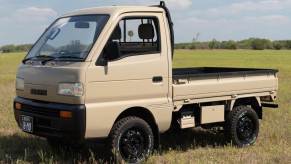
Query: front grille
x=47 y=131
x=43 y=122
x=38 y=92
x=40 y=111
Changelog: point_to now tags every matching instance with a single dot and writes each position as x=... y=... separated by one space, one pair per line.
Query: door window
x=133 y=36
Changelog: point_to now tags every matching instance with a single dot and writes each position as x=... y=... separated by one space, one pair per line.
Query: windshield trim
x=81 y=60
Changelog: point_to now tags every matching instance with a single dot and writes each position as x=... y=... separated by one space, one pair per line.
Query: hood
x=41 y=81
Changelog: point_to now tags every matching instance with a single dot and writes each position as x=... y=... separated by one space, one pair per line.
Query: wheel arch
x=254 y=102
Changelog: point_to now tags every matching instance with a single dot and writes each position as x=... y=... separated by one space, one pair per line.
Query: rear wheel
x=132 y=140
x=242 y=126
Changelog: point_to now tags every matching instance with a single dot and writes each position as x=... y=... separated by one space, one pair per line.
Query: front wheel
x=132 y=140
x=242 y=126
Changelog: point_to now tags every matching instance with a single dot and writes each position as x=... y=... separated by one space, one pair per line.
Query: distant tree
x=268 y=44
x=228 y=45
x=251 y=43
x=288 y=44
x=8 y=48
x=192 y=46
x=23 y=47
x=261 y=44
x=245 y=44
x=182 y=45
x=277 y=45
x=214 y=44
x=15 y=48
x=258 y=44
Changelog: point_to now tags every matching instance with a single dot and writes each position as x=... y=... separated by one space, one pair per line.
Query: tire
x=131 y=140
x=242 y=126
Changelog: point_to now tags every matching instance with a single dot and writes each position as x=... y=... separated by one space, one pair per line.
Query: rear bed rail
x=218 y=71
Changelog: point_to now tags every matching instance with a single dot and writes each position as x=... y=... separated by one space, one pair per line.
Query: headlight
x=19 y=84
x=71 y=89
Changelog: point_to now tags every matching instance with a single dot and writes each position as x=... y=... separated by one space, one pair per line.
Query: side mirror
x=102 y=61
x=111 y=52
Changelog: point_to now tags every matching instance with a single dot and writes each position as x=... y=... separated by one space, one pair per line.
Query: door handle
x=157 y=79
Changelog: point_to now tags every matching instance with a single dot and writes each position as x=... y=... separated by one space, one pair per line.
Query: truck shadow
x=184 y=140
x=34 y=149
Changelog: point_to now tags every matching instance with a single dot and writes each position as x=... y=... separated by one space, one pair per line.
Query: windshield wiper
x=50 y=58
x=70 y=57
x=39 y=56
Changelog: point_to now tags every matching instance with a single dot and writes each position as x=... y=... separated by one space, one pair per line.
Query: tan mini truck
x=106 y=73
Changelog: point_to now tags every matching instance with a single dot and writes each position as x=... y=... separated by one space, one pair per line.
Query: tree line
x=15 y=48
x=251 y=43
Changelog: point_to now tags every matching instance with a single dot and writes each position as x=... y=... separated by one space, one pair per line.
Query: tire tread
x=231 y=121
x=117 y=128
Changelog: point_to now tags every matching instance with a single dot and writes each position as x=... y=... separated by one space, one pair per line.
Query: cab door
x=131 y=71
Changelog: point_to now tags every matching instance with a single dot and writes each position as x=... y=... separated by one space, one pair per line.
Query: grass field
x=191 y=146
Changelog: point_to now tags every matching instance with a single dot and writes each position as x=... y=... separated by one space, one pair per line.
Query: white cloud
x=34 y=14
x=266 y=26
x=242 y=19
x=264 y=5
x=276 y=19
x=173 y=4
x=250 y=6
x=241 y=8
x=179 y=3
x=30 y=15
x=27 y=23
x=232 y=19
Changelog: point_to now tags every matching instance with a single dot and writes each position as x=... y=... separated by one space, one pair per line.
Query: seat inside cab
x=135 y=36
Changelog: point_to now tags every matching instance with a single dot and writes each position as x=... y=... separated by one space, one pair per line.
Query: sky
x=23 y=21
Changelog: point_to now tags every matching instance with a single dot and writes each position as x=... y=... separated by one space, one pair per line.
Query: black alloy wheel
x=132 y=140
x=245 y=129
x=242 y=126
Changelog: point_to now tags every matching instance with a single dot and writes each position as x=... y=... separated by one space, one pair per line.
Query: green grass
x=191 y=146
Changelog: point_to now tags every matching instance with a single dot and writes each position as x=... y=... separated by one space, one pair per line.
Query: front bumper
x=46 y=119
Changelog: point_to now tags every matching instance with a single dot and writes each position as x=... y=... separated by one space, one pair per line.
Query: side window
x=133 y=36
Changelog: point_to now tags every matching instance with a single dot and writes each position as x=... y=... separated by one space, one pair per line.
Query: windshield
x=69 y=38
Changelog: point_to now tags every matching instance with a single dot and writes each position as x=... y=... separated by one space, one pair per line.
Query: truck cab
x=106 y=72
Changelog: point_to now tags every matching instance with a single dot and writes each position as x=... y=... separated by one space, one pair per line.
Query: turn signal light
x=18 y=106
x=66 y=114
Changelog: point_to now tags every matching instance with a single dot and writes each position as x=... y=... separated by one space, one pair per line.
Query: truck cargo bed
x=203 y=82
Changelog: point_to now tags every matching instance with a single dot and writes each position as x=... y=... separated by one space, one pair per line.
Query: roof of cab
x=114 y=10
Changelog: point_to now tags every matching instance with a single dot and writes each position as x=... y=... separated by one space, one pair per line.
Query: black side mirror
x=111 y=52
x=102 y=61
